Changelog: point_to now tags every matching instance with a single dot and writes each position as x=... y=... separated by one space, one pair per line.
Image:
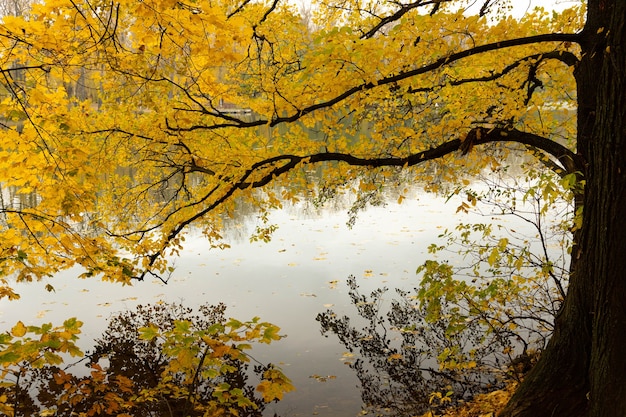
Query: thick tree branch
x=439 y=63
x=567 y=58
x=571 y=162
x=476 y=136
x=281 y=164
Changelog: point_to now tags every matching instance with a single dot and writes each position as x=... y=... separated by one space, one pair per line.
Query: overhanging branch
x=279 y=165
x=478 y=136
x=567 y=58
x=571 y=163
x=390 y=80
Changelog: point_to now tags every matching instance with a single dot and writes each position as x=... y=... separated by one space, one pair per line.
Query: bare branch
x=238 y=9
x=392 y=18
x=43 y=67
x=269 y=11
x=485 y=7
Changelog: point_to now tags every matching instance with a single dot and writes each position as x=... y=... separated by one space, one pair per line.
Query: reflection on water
x=393 y=354
x=126 y=374
x=288 y=282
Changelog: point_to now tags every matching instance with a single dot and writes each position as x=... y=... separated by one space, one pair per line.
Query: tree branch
x=477 y=136
x=567 y=58
x=282 y=164
x=439 y=63
x=571 y=162
x=238 y=9
x=394 y=17
x=43 y=67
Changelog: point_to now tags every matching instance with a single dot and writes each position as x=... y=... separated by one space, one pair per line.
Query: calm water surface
x=288 y=281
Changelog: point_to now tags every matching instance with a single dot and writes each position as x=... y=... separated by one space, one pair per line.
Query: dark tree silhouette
x=395 y=353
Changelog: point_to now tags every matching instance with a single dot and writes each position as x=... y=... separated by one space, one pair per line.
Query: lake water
x=287 y=281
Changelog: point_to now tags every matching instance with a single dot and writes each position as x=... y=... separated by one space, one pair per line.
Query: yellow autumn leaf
x=19 y=329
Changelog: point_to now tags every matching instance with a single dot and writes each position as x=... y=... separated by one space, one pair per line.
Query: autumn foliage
x=125 y=124
x=162 y=359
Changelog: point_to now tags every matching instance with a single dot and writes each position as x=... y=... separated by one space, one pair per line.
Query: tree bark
x=606 y=229
x=582 y=372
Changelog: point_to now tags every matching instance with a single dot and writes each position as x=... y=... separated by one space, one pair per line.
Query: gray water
x=287 y=281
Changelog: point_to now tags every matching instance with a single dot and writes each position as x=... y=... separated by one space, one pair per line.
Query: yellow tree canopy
x=126 y=122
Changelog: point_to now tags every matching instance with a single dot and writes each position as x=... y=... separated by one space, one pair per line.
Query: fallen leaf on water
x=42 y=313
x=320 y=378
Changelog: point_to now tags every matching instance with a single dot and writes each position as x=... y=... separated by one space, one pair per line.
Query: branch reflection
x=403 y=363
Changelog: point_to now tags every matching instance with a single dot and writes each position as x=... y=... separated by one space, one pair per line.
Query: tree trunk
x=582 y=372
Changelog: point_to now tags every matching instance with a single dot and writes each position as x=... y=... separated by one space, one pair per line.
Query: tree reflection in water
x=396 y=354
x=124 y=369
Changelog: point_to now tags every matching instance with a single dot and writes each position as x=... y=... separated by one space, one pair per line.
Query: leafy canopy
x=127 y=122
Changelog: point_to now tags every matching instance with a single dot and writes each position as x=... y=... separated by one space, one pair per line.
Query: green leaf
x=73 y=324
x=270 y=333
x=182 y=326
x=9 y=357
x=148 y=333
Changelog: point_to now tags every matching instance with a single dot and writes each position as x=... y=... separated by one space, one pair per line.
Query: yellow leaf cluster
x=483 y=405
x=123 y=125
